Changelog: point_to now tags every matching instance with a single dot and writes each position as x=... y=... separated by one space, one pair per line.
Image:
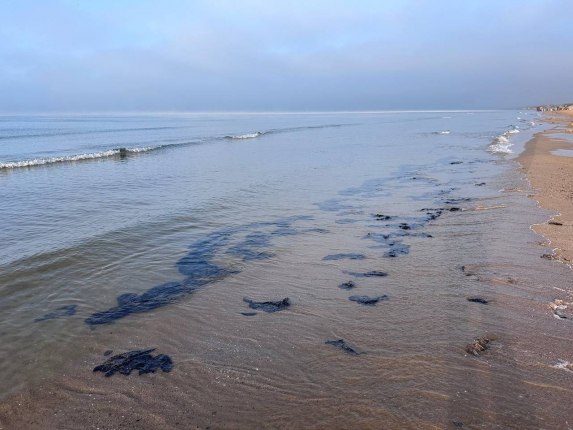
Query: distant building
x=552 y=108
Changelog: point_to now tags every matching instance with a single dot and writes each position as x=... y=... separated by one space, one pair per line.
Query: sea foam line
x=73 y=158
x=245 y=136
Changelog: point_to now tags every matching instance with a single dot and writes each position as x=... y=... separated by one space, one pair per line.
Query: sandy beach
x=551 y=179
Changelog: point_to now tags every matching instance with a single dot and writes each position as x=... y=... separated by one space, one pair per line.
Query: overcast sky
x=260 y=55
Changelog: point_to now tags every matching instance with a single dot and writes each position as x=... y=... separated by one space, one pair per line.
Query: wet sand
x=274 y=370
x=551 y=177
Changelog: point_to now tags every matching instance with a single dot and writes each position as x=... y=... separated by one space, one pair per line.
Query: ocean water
x=123 y=232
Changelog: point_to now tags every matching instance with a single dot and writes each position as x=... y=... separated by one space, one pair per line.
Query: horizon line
x=255 y=112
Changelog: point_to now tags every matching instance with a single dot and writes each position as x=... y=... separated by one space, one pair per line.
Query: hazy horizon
x=255 y=56
x=251 y=112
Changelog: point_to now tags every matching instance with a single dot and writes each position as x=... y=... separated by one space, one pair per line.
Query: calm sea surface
x=123 y=232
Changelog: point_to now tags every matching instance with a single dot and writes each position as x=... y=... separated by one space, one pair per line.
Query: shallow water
x=563 y=152
x=191 y=229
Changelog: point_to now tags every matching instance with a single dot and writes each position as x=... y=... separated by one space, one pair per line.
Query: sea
x=300 y=270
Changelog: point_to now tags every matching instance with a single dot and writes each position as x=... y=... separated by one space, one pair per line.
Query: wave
x=120 y=152
x=58 y=133
x=284 y=130
x=441 y=132
x=501 y=144
x=124 y=152
x=308 y=127
x=246 y=136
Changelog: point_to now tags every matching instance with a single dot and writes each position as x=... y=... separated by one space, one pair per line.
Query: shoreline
x=551 y=178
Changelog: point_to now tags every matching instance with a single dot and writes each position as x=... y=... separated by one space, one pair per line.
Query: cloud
x=259 y=55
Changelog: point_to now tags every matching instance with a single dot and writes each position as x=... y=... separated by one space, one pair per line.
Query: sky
x=275 y=55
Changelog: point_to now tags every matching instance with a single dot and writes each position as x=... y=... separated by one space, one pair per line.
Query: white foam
x=143 y=149
x=71 y=158
x=500 y=147
x=501 y=144
x=563 y=364
x=502 y=139
x=246 y=136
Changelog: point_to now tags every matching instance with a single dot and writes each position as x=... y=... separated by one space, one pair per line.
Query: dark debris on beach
x=200 y=268
x=347 y=285
x=140 y=360
x=370 y=274
x=367 y=300
x=480 y=345
x=341 y=344
x=478 y=300
x=268 y=306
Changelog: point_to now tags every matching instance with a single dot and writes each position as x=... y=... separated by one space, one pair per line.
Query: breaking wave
x=501 y=144
x=124 y=152
x=120 y=152
x=246 y=136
